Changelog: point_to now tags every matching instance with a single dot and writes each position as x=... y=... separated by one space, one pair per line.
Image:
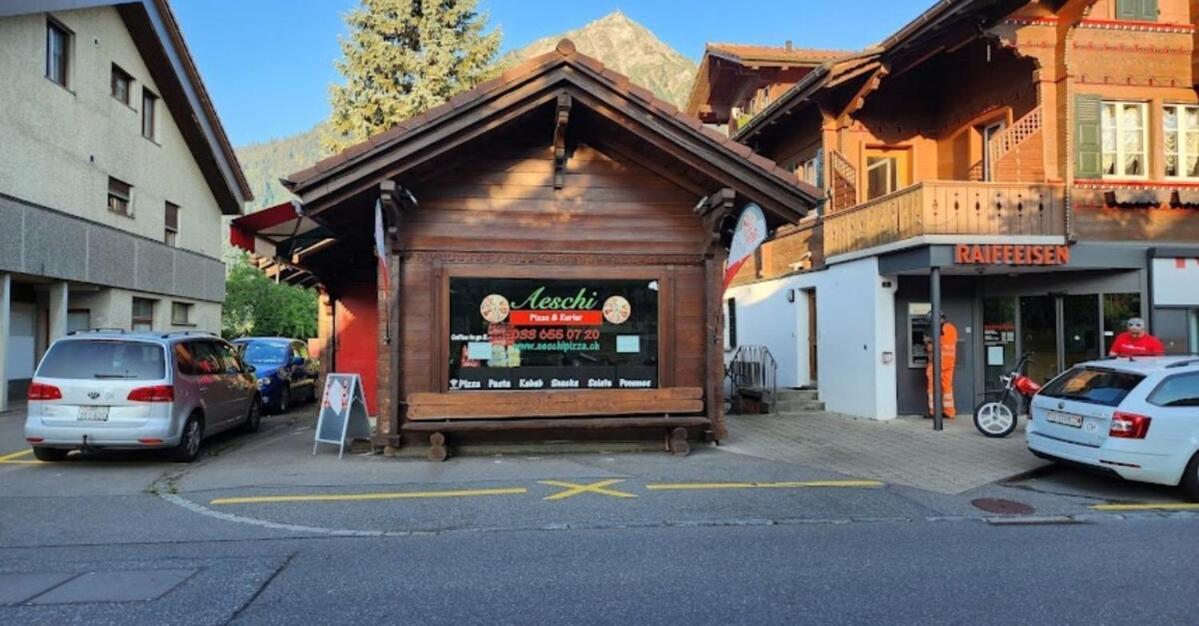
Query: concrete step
x=798 y=406
x=810 y=395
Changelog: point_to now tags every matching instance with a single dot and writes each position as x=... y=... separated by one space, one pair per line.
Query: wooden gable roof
x=498 y=102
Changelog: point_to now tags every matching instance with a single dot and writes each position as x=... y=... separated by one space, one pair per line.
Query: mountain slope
x=627 y=47
x=617 y=41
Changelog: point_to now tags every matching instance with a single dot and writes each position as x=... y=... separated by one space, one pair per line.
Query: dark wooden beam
x=561 y=119
x=719 y=201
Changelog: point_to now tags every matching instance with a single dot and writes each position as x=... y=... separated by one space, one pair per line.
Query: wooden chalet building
x=737 y=81
x=1034 y=163
x=556 y=239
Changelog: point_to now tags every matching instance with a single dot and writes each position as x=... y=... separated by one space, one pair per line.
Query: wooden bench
x=574 y=403
x=675 y=428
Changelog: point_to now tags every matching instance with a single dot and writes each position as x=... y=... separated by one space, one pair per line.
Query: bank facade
x=554 y=242
x=1035 y=163
x=114 y=178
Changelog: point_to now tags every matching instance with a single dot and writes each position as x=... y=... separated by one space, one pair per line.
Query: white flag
x=380 y=243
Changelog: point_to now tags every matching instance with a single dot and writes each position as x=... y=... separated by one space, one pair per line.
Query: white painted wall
x=855 y=329
x=61 y=145
x=765 y=318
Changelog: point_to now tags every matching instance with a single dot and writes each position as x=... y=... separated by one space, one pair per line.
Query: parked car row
x=112 y=389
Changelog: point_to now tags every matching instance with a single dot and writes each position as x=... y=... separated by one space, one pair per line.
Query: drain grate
x=1000 y=506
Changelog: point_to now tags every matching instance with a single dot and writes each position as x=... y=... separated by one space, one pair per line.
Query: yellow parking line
x=777 y=485
x=344 y=497
x=1150 y=506
x=11 y=457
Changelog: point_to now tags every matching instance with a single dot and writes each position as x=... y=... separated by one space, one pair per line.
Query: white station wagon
x=1136 y=418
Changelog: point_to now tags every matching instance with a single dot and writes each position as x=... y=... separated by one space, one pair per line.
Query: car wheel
x=994 y=419
x=50 y=455
x=312 y=391
x=253 y=417
x=284 y=399
x=189 y=444
x=1190 y=480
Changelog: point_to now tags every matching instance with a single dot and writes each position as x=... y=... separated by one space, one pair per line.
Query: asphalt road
x=261 y=531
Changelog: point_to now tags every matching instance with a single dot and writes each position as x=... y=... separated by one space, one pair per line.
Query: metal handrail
x=753 y=367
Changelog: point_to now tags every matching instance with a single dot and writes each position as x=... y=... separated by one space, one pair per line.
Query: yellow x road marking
x=574 y=489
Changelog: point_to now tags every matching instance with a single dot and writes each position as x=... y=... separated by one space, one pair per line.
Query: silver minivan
x=138 y=390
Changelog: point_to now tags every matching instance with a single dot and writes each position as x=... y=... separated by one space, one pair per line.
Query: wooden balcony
x=948 y=208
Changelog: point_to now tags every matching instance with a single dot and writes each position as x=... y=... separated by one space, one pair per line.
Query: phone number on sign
x=557 y=334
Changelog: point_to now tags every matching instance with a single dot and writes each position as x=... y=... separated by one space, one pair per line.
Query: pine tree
x=403 y=57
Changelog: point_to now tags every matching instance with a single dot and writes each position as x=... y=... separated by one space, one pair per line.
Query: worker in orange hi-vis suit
x=949 y=353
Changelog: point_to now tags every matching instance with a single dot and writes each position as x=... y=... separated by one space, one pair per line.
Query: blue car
x=286 y=373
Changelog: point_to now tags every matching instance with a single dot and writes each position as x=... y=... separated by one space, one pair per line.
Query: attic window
x=122 y=83
x=58 y=51
x=149 y=114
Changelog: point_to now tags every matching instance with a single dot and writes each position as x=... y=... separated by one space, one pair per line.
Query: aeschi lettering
x=537 y=300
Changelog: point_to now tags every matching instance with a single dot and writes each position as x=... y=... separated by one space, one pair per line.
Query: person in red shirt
x=1136 y=342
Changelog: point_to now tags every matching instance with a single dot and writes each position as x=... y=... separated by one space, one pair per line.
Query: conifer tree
x=403 y=57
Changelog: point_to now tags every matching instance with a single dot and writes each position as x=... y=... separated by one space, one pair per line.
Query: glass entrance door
x=1038 y=334
x=1080 y=329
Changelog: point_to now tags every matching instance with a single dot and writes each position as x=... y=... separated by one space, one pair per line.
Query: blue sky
x=268 y=63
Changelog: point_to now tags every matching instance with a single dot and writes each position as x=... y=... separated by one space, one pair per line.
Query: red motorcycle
x=997 y=418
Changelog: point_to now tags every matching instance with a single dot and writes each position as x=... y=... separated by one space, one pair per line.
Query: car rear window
x=265 y=353
x=1180 y=390
x=95 y=358
x=1094 y=385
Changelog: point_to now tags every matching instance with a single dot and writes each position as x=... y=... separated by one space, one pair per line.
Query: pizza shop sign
x=1009 y=254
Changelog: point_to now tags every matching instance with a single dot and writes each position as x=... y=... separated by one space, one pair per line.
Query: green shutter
x=1145 y=10
x=1088 y=145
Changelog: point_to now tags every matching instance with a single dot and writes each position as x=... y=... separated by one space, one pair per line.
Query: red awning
x=260 y=232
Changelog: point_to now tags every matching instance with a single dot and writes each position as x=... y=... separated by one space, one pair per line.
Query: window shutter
x=820 y=168
x=1088 y=146
x=1136 y=10
x=1149 y=10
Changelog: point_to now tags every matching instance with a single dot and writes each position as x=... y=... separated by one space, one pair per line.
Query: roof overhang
x=160 y=41
x=494 y=103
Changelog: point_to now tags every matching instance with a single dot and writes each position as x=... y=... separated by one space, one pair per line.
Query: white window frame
x=891 y=164
x=1120 y=153
x=809 y=171
x=989 y=133
x=1182 y=155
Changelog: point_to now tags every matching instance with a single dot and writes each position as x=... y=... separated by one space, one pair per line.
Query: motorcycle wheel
x=995 y=419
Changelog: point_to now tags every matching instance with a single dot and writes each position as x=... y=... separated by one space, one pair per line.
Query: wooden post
x=714 y=387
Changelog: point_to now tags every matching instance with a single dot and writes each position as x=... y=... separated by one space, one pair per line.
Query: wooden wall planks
x=499 y=214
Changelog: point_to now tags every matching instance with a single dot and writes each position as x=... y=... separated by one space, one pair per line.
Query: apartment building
x=114 y=177
x=1029 y=168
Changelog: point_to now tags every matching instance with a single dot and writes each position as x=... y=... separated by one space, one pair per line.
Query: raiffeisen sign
x=966 y=254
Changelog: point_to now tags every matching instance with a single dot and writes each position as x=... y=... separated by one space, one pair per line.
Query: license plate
x=93 y=414
x=1065 y=419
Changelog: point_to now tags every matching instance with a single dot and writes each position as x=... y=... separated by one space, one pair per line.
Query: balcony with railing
x=963 y=208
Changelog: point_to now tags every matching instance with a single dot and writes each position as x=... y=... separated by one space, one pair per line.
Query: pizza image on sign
x=617 y=310
x=494 y=308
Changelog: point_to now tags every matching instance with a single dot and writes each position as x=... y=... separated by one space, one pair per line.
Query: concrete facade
x=66 y=260
x=855 y=339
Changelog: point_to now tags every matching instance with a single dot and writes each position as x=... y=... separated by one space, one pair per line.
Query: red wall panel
x=357 y=323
